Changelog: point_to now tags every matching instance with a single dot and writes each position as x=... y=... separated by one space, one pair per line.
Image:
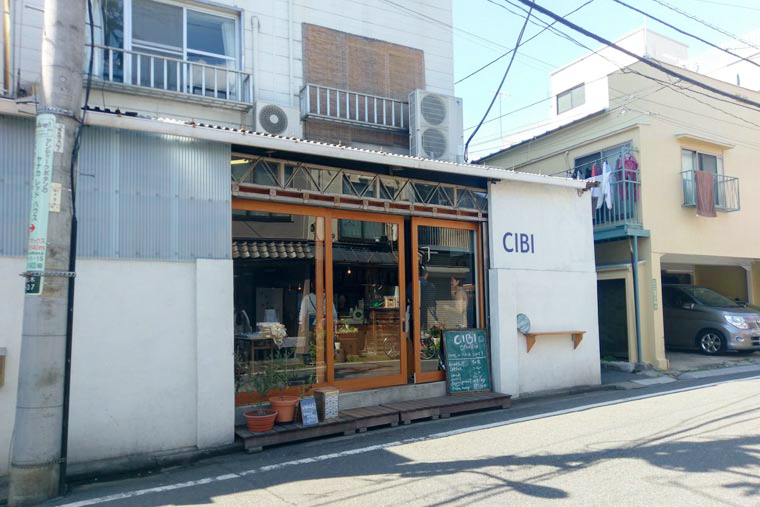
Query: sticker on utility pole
x=55 y=197
x=45 y=136
x=60 y=131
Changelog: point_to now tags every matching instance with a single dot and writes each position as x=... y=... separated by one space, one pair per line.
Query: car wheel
x=711 y=342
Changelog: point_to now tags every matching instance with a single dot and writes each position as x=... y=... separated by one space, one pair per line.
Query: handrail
x=346 y=106
x=136 y=68
x=621 y=206
x=725 y=191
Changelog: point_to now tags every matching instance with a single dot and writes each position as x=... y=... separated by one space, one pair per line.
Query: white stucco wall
x=152 y=358
x=12 y=298
x=554 y=284
x=152 y=362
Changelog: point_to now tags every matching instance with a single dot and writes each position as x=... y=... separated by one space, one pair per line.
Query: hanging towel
x=606 y=192
x=705 y=182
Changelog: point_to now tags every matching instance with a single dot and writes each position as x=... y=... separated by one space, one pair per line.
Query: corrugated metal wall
x=140 y=195
x=16 y=155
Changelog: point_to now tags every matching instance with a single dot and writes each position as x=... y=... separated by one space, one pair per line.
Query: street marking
x=379 y=447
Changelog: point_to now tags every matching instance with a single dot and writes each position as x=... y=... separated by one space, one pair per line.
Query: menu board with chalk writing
x=467 y=363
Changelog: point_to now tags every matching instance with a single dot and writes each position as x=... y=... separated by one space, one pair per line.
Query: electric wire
x=684 y=32
x=521 y=44
x=648 y=62
x=498 y=90
x=705 y=23
x=729 y=5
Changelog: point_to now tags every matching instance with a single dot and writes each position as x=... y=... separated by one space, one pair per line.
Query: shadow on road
x=383 y=470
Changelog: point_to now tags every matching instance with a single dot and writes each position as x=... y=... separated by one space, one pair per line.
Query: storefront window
x=447 y=297
x=367 y=298
x=279 y=297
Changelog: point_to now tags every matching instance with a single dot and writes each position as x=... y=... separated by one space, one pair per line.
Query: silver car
x=700 y=317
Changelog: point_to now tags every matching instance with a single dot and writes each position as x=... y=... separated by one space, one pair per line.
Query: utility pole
x=36 y=457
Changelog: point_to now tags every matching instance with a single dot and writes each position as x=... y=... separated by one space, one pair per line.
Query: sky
x=485 y=29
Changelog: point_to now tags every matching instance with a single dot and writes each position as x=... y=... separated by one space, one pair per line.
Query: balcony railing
x=725 y=193
x=354 y=108
x=624 y=197
x=166 y=74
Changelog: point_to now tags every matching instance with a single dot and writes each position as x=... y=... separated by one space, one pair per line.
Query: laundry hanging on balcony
x=602 y=193
x=705 y=183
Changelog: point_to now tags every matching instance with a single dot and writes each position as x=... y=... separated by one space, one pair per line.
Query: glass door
x=366 y=257
x=280 y=297
x=447 y=288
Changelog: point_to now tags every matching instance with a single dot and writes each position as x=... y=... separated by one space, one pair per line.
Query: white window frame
x=718 y=159
x=235 y=16
x=569 y=92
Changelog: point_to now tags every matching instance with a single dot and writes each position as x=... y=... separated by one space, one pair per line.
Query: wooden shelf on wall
x=577 y=337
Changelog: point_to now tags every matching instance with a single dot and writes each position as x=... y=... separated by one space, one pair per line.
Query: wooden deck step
x=359 y=419
x=293 y=432
x=369 y=417
x=415 y=409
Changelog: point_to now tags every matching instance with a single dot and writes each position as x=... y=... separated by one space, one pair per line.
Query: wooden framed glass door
x=447 y=288
x=366 y=279
x=333 y=282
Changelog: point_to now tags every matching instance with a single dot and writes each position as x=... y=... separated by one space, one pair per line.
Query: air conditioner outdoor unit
x=278 y=120
x=435 y=126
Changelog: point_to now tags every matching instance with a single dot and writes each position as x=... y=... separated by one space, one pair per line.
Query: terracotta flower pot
x=259 y=421
x=285 y=407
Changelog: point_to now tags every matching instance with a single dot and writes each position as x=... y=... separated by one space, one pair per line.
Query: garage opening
x=613 y=323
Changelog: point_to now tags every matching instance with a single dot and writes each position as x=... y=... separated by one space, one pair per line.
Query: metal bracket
x=55 y=110
x=62 y=274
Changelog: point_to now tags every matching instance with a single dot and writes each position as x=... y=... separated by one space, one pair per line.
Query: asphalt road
x=689 y=443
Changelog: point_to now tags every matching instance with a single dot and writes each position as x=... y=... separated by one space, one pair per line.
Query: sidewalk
x=683 y=366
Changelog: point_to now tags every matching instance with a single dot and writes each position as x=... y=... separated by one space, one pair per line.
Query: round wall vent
x=273 y=119
x=433 y=143
x=433 y=109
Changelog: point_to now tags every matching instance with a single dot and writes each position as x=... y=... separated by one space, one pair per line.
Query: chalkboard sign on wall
x=467 y=366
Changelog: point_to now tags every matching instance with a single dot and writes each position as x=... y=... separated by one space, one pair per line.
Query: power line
x=522 y=44
x=729 y=5
x=651 y=63
x=504 y=78
x=511 y=112
x=709 y=25
x=684 y=32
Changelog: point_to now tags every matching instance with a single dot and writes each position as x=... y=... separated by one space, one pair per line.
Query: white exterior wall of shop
x=152 y=355
x=554 y=284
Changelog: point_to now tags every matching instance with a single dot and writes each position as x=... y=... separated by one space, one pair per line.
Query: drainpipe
x=290 y=52
x=635 y=264
x=7 y=46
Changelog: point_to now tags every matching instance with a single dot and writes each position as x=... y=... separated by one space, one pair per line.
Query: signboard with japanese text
x=44 y=150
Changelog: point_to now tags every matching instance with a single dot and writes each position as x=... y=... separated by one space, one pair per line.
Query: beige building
x=654 y=132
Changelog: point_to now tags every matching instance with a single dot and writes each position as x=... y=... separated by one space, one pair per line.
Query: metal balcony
x=725 y=193
x=622 y=216
x=165 y=75
x=344 y=106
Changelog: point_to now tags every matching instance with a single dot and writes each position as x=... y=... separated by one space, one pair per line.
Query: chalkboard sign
x=309 y=415
x=466 y=355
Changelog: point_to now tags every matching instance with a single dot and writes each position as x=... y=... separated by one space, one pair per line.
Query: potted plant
x=286 y=404
x=263 y=382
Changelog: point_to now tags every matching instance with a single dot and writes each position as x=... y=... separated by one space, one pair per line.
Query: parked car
x=698 y=317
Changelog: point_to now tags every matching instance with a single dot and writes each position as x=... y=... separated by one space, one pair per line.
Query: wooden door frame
x=435 y=376
x=329 y=214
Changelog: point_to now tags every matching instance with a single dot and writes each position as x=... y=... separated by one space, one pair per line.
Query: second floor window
x=697 y=161
x=571 y=99
x=158 y=36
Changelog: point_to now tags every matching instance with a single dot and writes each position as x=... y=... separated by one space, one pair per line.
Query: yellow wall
x=731 y=281
x=659 y=121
